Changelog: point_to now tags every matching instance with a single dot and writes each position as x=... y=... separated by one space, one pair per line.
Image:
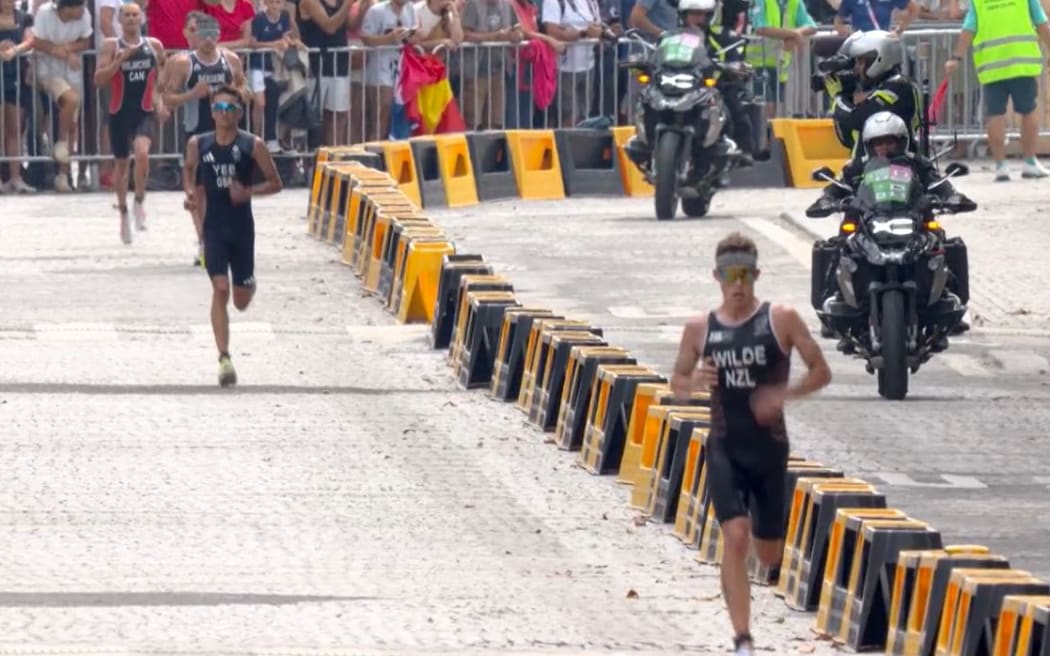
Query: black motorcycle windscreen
x=888 y=186
x=682 y=49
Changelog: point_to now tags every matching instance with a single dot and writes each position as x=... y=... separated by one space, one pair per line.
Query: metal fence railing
x=495 y=85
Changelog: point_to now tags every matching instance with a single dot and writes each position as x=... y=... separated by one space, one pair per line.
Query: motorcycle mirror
x=824 y=173
x=956 y=169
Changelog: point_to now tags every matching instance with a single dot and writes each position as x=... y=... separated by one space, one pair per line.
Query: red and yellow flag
x=427 y=95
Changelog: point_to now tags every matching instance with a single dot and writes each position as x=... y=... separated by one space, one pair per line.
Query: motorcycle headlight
x=892 y=228
x=678 y=82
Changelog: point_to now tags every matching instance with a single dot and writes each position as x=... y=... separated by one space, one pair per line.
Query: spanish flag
x=424 y=89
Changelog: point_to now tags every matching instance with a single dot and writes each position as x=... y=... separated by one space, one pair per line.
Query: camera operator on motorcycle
x=872 y=61
x=885 y=135
x=698 y=15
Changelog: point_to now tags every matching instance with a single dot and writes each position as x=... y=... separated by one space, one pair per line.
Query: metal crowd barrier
x=491 y=81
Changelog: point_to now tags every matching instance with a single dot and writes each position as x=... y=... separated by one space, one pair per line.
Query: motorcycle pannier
x=958 y=263
x=824 y=261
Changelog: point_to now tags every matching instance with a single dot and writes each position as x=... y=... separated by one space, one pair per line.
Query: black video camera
x=841 y=67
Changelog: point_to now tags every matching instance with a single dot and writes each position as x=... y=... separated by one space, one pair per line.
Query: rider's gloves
x=832 y=85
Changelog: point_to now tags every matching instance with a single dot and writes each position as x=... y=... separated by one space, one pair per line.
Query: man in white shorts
x=63 y=32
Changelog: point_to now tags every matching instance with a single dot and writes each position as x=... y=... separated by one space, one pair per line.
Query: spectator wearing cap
x=62 y=33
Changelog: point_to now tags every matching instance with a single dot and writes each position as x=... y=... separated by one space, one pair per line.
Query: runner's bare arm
x=272 y=183
x=795 y=334
x=108 y=64
x=189 y=170
x=158 y=49
x=238 y=81
x=177 y=72
x=158 y=88
x=683 y=377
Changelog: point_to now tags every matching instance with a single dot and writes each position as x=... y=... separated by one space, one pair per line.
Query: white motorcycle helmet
x=886 y=127
x=882 y=53
x=706 y=6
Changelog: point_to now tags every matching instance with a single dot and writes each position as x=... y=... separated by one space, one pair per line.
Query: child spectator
x=272 y=28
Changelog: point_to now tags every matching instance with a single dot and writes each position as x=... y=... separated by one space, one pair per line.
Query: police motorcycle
x=893 y=268
x=682 y=115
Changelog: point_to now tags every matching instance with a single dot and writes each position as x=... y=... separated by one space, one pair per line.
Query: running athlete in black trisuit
x=746 y=349
x=220 y=167
x=192 y=77
x=129 y=65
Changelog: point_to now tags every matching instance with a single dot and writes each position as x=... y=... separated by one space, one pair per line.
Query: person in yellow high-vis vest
x=1008 y=60
x=784 y=25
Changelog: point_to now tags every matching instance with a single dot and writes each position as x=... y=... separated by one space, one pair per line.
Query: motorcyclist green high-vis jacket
x=897 y=94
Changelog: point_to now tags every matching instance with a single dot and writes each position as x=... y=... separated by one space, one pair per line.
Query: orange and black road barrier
x=876 y=578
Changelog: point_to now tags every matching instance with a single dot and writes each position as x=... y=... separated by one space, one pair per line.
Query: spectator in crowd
x=865 y=15
x=1009 y=63
x=439 y=25
x=483 y=71
x=324 y=26
x=388 y=25
x=273 y=29
x=783 y=28
x=16 y=38
x=523 y=111
x=167 y=18
x=612 y=86
x=234 y=18
x=62 y=31
x=440 y=31
x=573 y=20
x=358 y=10
x=653 y=17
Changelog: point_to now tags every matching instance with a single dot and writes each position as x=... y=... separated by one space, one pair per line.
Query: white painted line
x=798 y=248
x=953 y=481
x=76 y=332
x=253 y=330
x=388 y=334
x=963 y=364
x=638 y=312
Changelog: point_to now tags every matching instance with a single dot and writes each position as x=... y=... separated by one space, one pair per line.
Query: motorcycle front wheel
x=893 y=376
x=666 y=165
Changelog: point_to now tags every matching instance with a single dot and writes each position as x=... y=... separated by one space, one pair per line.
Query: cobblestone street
x=345 y=496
